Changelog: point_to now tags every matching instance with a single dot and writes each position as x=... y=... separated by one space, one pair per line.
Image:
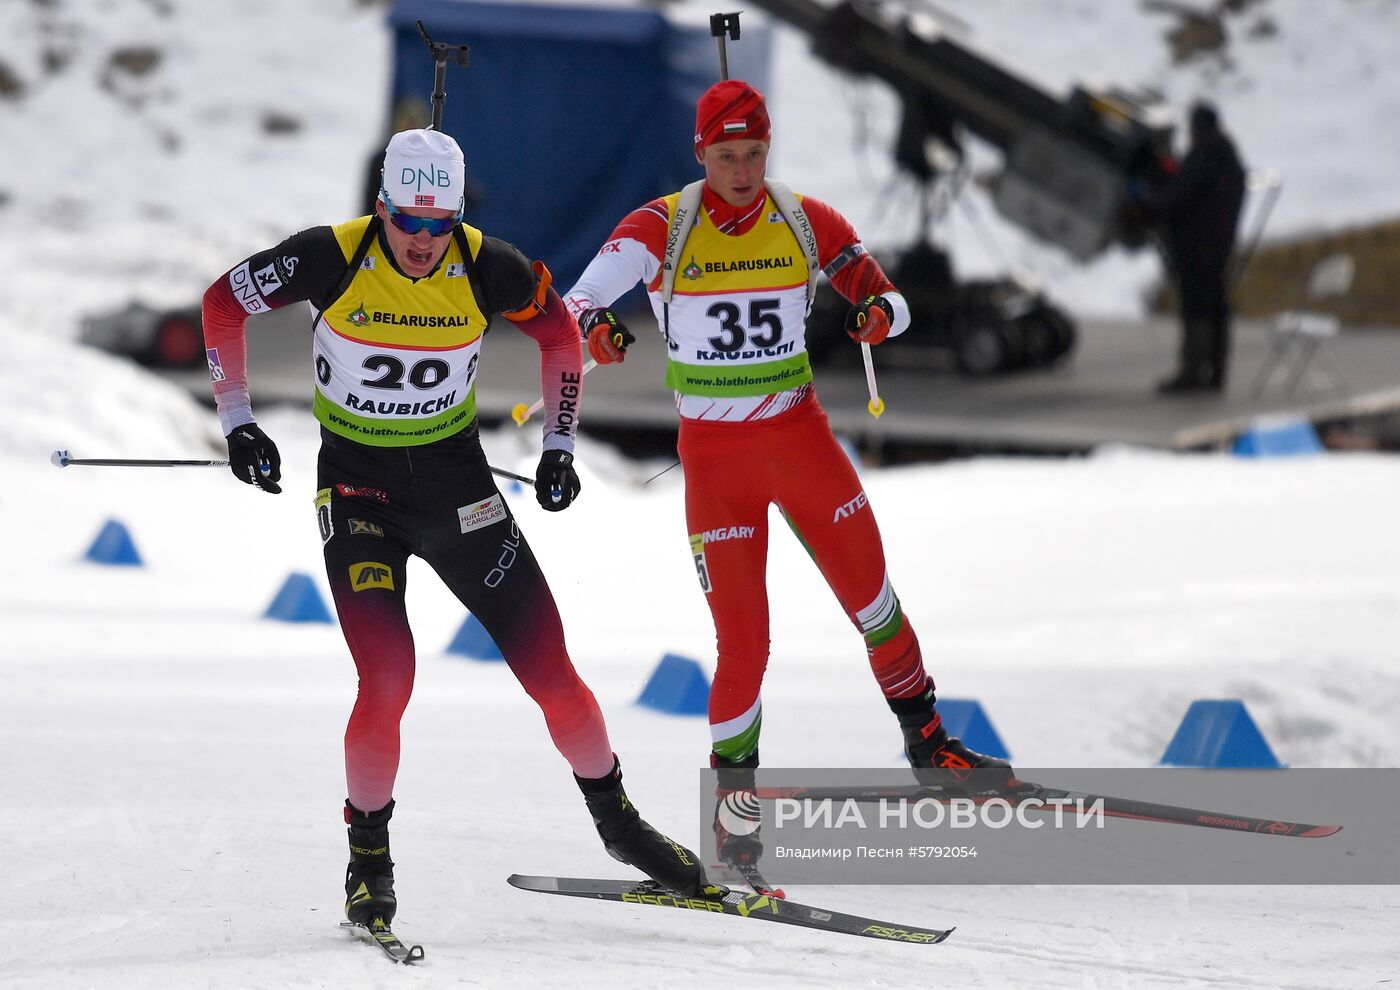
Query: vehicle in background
x=158 y=338
x=974 y=327
x=1070 y=166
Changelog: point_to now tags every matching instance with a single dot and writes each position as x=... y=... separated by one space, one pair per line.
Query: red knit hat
x=731 y=110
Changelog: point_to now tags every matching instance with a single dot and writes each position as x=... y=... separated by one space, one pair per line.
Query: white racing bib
x=395 y=360
x=737 y=316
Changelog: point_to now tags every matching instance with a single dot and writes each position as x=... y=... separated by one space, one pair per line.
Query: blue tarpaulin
x=569 y=117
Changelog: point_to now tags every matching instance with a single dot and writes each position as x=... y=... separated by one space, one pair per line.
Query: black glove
x=556 y=482
x=608 y=337
x=253 y=458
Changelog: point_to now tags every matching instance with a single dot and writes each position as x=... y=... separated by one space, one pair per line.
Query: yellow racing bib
x=738 y=311
x=396 y=359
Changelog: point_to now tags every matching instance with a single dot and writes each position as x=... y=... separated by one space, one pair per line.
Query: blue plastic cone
x=677 y=687
x=298 y=601
x=1219 y=734
x=1278 y=437
x=472 y=640
x=113 y=546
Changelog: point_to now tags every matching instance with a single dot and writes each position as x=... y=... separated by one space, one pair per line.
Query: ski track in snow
x=177 y=797
x=172 y=787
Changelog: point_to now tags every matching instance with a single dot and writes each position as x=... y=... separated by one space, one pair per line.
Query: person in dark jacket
x=1196 y=212
x=402 y=298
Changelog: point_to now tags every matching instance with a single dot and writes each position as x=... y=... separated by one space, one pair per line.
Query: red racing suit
x=752 y=432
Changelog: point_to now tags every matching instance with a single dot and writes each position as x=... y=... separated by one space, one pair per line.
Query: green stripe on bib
x=377 y=432
x=738 y=380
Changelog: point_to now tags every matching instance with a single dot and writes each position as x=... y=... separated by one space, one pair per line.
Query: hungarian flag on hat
x=731 y=110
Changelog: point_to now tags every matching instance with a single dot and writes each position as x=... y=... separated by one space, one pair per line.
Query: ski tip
x=59 y=458
x=532 y=883
x=1320 y=831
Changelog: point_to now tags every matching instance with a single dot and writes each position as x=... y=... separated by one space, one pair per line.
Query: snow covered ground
x=173 y=780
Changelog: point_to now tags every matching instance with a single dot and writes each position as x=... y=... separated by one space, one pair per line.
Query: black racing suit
x=379 y=504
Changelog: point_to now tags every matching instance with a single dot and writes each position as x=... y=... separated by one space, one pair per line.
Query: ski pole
x=660 y=473
x=502 y=473
x=876 y=405
x=521 y=413
x=62 y=458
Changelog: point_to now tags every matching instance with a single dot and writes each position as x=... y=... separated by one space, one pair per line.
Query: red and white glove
x=607 y=336
x=869 y=320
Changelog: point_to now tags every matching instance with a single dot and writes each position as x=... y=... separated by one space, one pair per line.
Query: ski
x=722 y=900
x=379 y=932
x=1151 y=811
x=1113 y=807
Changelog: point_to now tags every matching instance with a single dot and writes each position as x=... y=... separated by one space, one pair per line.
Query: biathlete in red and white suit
x=402 y=299
x=751 y=429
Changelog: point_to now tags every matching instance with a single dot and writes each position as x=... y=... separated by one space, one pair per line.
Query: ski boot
x=628 y=839
x=742 y=848
x=945 y=762
x=738 y=841
x=369 y=879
